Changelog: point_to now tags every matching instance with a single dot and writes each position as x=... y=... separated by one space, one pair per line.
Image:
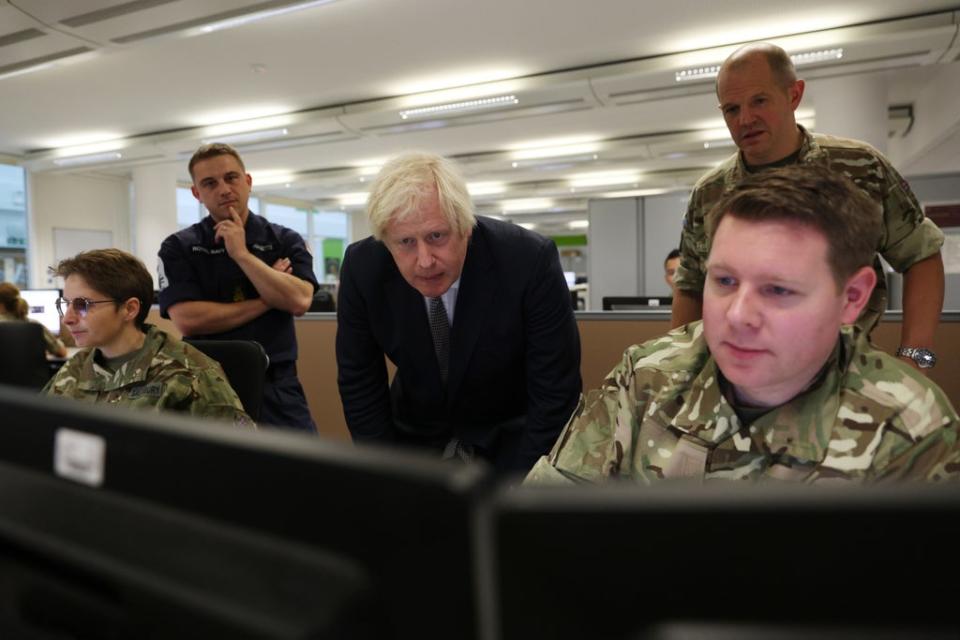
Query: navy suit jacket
x=514 y=348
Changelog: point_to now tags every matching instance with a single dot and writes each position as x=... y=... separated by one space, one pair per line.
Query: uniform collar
x=800 y=429
x=809 y=151
x=93 y=377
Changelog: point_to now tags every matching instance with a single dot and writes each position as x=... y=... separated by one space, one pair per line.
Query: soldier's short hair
x=674 y=253
x=114 y=273
x=781 y=66
x=213 y=150
x=815 y=197
x=406 y=181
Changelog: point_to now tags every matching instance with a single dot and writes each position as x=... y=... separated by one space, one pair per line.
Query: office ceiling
x=585 y=99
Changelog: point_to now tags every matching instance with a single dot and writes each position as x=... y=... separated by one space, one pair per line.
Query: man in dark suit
x=475 y=314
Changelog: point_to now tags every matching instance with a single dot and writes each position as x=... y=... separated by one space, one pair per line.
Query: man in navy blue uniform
x=474 y=312
x=236 y=276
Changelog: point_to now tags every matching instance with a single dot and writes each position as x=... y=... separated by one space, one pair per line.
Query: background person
x=474 y=312
x=106 y=297
x=236 y=276
x=13 y=308
x=758 y=92
x=775 y=383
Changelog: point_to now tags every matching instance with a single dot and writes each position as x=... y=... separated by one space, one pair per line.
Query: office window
x=13 y=225
x=189 y=209
x=326 y=234
x=290 y=217
x=331 y=235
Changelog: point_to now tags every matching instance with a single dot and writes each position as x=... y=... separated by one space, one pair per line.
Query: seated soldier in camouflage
x=106 y=297
x=775 y=382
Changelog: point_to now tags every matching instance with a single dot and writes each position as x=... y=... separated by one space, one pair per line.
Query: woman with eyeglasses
x=106 y=297
x=13 y=308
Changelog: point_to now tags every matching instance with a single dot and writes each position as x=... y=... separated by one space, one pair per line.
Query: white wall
x=613 y=263
x=662 y=224
x=69 y=201
x=359 y=226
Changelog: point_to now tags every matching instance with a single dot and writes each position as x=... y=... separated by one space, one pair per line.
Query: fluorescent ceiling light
x=823 y=55
x=263 y=178
x=88 y=159
x=603 y=179
x=632 y=193
x=453 y=107
x=578 y=224
x=718 y=144
x=805 y=57
x=250 y=136
x=229 y=23
x=526 y=204
x=697 y=73
x=556 y=152
x=370 y=171
x=353 y=199
x=485 y=188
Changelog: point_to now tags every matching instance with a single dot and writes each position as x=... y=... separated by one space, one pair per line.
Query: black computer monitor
x=42 y=307
x=635 y=303
x=729 y=561
x=116 y=523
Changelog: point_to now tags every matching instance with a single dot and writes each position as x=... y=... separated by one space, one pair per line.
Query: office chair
x=245 y=363
x=323 y=301
x=23 y=355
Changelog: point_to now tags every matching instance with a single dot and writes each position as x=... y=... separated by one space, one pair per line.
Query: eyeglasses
x=80 y=305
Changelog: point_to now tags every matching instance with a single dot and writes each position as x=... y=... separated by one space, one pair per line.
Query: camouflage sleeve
x=599 y=436
x=64 y=381
x=213 y=397
x=909 y=236
x=691 y=273
x=927 y=447
x=50 y=342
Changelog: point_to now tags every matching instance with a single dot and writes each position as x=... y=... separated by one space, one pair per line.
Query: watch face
x=924 y=358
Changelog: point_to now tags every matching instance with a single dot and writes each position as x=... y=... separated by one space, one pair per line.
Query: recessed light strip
x=799 y=59
x=466 y=105
x=809 y=57
x=697 y=73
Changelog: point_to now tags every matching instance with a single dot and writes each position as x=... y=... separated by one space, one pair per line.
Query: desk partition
x=603 y=337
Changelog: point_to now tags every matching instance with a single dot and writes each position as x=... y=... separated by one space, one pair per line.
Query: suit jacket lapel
x=475 y=301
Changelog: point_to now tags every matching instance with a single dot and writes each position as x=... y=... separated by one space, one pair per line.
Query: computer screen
x=721 y=561
x=42 y=307
x=570 y=277
x=635 y=303
x=116 y=523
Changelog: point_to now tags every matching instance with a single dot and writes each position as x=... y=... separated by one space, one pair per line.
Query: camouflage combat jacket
x=661 y=414
x=907 y=237
x=169 y=374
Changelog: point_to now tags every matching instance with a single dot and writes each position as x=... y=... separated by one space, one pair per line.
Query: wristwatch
x=924 y=358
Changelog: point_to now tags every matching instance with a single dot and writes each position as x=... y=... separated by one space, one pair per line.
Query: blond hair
x=406 y=181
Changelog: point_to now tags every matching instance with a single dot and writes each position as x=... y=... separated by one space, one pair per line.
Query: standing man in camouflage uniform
x=107 y=295
x=775 y=382
x=758 y=92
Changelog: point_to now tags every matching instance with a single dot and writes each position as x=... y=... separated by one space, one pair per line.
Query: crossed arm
x=276 y=284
